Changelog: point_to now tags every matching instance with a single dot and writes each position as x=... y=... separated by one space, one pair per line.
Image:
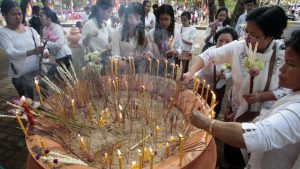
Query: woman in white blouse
x=188 y=35
x=274 y=139
x=165 y=41
x=129 y=40
x=264 y=26
x=149 y=16
x=21 y=45
x=96 y=33
x=57 y=44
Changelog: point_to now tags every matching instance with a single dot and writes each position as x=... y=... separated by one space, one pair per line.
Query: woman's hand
x=171 y=52
x=200 y=121
x=36 y=51
x=187 y=77
x=252 y=98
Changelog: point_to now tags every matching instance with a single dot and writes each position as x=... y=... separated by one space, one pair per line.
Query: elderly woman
x=264 y=26
x=274 y=140
x=21 y=45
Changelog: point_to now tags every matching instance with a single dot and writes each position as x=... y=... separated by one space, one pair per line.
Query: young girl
x=222 y=20
x=58 y=46
x=129 y=40
x=188 y=35
x=96 y=34
x=165 y=42
x=149 y=16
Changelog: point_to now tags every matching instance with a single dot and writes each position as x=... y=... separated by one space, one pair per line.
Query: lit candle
x=213 y=99
x=38 y=89
x=73 y=109
x=157 y=133
x=120 y=119
x=130 y=64
x=82 y=143
x=167 y=149
x=178 y=75
x=127 y=92
x=134 y=165
x=116 y=67
x=43 y=145
x=157 y=69
x=133 y=65
x=181 y=149
x=172 y=139
x=150 y=66
x=146 y=154
x=173 y=70
x=111 y=65
x=207 y=89
x=202 y=91
x=166 y=68
x=152 y=158
x=197 y=85
x=106 y=159
x=101 y=122
x=140 y=159
x=120 y=159
x=21 y=125
x=27 y=110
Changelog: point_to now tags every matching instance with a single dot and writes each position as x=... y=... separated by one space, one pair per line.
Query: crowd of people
x=260 y=126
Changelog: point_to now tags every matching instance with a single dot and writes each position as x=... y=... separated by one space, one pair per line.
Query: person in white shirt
x=57 y=44
x=164 y=39
x=244 y=106
x=130 y=38
x=21 y=45
x=216 y=75
x=274 y=138
x=222 y=19
x=149 y=16
x=188 y=35
x=241 y=23
x=96 y=34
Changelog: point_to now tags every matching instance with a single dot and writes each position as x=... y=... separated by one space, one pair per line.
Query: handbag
x=250 y=115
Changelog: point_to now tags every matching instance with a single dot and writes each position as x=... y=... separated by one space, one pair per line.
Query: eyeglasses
x=251 y=37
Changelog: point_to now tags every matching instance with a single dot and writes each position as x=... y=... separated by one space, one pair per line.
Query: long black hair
x=100 y=4
x=134 y=7
x=227 y=19
x=50 y=14
x=158 y=32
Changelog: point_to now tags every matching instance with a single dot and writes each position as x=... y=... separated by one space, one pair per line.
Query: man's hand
x=252 y=98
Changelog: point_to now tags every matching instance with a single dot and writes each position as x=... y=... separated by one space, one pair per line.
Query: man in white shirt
x=240 y=26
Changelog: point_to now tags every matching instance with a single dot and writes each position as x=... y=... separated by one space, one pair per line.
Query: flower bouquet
x=253 y=65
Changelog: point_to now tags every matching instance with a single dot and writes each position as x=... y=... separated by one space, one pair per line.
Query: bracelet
x=211 y=126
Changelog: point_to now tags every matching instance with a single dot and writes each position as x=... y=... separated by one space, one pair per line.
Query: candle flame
x=180 y=136
x=78 y=135
x=133 y=163
x=23 y=98
x=150 y=149
x=139 y=150
x=73 y=101
x=120 y=107
x=119 y=152
x=105 y=155
x=36 y=81
x=168 y=144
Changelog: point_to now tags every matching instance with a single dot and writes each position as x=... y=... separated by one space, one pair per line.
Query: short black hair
x=272 y=20
x=122 y=10
x=187 y=14
x=50 y=14
x=249 y=1
x=154 y=6
x=36 y=10
x=226 y=29
x=6 y=5
x=294 y=42
x=145 y=2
